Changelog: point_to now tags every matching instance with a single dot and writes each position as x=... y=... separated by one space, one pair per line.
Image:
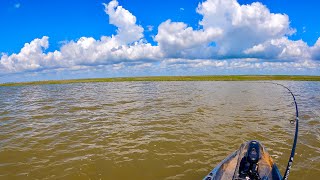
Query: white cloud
x=244 y=25
x=282 y=48
x=236 y=30
x=230 y=36
x=252 y=65
x=195 y=63
x=315 y=50
x=150 y=28
x=31 y=57
x=126 y=46
x=128 y=31
x=176 y=39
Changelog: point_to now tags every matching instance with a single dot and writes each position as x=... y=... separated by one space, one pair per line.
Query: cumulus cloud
x=177 y=39
x=126 y=46
x=31 y=57
x=315 y=50
x=128 y=31
x=243 y=25
x=229 y=36
x=107 y=50
x=281 y=49
x=237 y=31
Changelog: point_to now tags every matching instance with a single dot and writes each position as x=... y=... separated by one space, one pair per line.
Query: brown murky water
x=151 y=130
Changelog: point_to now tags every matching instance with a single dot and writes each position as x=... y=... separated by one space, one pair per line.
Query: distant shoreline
x=174 y=78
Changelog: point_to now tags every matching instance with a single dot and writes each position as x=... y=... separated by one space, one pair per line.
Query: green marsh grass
x=174 y=78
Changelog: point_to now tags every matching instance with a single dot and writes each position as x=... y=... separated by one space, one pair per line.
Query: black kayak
x=250 y=161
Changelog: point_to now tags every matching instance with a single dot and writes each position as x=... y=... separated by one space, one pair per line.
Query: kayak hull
x=229 y=168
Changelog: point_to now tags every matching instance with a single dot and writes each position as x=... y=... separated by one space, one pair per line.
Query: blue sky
x=169 y=37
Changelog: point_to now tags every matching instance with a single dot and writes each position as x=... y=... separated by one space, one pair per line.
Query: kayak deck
x=229 y=167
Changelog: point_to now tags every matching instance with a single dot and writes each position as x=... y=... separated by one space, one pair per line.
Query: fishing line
x=287 y=172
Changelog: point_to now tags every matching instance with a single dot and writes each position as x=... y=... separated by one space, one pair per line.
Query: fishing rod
x=249 y=154
x=287 y=172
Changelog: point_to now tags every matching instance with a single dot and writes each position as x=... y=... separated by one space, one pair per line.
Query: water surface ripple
x=151 y=130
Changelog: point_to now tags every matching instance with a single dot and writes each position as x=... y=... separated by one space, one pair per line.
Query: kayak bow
x=252 y=162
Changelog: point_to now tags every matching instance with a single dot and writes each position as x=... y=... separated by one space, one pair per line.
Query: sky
x=55 y=39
